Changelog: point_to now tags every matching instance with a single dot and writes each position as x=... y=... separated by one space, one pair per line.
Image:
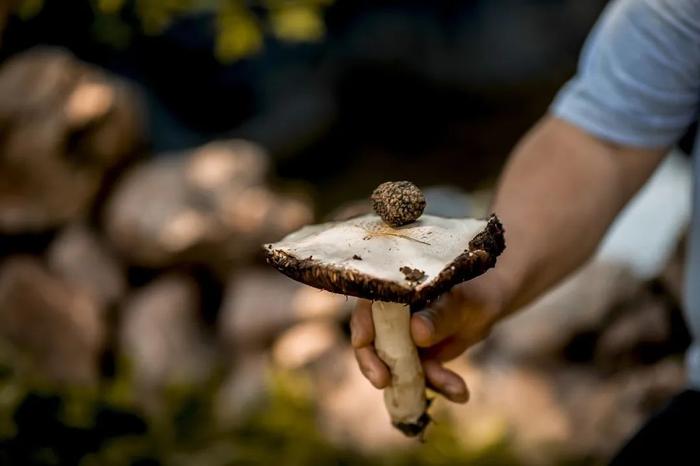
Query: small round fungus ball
x=398 y=202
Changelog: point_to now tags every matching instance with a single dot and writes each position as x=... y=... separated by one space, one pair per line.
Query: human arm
x=634 y=95
x=558 y=194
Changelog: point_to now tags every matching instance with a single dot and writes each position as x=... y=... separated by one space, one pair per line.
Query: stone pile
x=154 y=262
x=111 y=252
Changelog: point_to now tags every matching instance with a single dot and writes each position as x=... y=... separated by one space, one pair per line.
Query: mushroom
x=399 y=269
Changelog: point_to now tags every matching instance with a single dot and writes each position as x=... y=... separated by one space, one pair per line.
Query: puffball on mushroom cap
x=398 y=203
x=414 y=264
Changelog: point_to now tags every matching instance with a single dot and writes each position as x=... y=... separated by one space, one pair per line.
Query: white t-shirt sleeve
x=638 y=82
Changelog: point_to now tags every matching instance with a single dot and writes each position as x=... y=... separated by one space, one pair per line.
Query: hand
x=459 y=319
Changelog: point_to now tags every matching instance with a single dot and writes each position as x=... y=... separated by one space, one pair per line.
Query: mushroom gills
x=405 y=396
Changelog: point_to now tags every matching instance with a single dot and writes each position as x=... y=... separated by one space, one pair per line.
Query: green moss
x=103 y=427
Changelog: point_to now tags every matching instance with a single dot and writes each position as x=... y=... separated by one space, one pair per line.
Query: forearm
x=558 y=194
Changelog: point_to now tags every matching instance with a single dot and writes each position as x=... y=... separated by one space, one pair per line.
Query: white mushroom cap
x=364 y=257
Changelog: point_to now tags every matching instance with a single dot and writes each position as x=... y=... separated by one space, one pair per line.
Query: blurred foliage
x=239 y=33
x=42 y=425
x=241 y=26
x=29 y=8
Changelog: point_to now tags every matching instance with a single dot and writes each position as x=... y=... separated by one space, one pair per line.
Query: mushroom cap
x=364 y=257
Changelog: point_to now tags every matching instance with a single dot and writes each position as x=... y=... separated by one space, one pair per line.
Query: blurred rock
x=81 y=258
x=510 y=401
x=256 y=308
x=243 y=391
x=574 y=374
x=312 y=303
x=208 y=205
x=628 y=339
x=64 y=124
x=554 y=413
x=577 y=307
x=606 y=411
x=55 y=324
x=163 y=339
x=261 y=303
x=305 y=343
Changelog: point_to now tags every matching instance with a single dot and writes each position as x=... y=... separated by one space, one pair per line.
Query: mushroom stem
x=405 y=396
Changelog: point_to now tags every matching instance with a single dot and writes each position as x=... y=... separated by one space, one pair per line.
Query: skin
x=558 y=194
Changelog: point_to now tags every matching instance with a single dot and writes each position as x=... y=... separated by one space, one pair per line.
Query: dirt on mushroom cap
x=413 y=275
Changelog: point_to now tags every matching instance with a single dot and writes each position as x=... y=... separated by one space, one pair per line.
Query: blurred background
x=148 y=148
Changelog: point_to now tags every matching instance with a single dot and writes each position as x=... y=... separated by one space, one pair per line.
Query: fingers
x=362 y=337
x=431 y=326
x=372 y=367
x=445 y=381
x=361 y=325
x=428 y=327
x=446 y=350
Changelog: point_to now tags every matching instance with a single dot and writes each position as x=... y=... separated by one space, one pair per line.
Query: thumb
x=432 y=325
